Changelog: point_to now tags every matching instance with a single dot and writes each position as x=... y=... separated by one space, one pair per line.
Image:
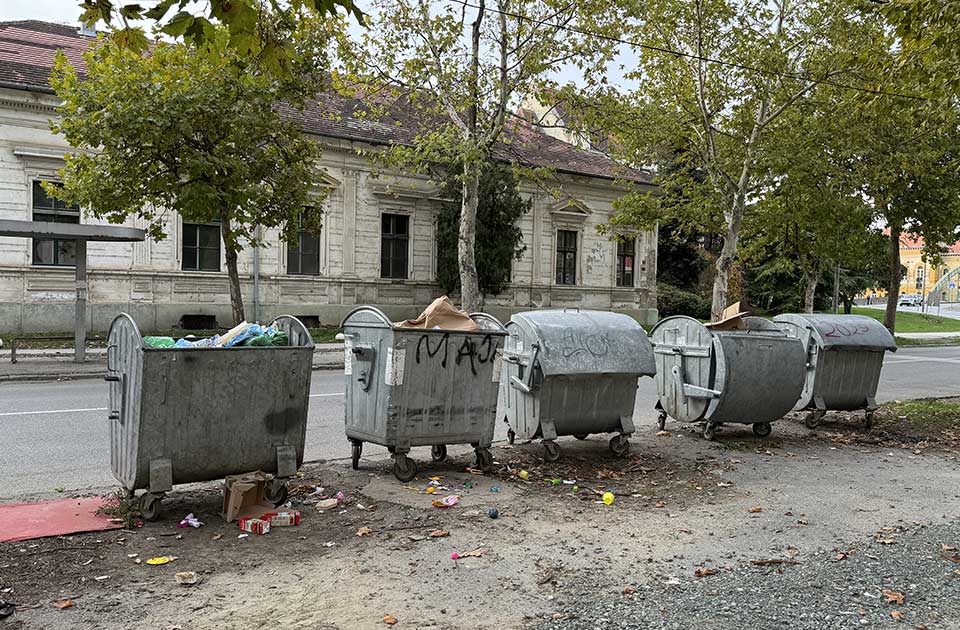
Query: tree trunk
x=893 y=281
x=810 y=278
x=847 y=304
x=469 y=282
x=230 y=253
x=727 y=257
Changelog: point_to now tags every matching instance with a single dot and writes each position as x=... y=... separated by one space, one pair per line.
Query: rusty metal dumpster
x=844 y=357
x=183 y=415
x=751 y=375
x=411 y=387
x=572 y=372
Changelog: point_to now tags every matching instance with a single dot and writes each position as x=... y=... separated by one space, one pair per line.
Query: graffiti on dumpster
x=837 y=331
x=594 y=344
x=481 y=352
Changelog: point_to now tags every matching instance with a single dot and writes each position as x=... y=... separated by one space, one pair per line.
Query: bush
x=673 y=301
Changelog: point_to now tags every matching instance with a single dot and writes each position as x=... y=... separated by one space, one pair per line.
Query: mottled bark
x=229 y=244
x=893 y=280
x=466 y=256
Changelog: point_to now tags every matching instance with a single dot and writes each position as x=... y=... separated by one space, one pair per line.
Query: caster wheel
x=762 y=429
x=438 y=452
x=276 y=492
x=709 y=431
x=357 y=451
x=551 y=451
x=868 y=421
x=484 y=460
x=812 y=421
x=404 y=468
x=620 y=445
x=661 y=420
x=581 y=436
x=150 y=506
x=511 y=436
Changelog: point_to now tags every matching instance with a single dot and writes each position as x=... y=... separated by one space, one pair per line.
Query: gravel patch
x=855 y=587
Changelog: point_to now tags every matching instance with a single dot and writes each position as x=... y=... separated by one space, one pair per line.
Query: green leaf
x=178 y=24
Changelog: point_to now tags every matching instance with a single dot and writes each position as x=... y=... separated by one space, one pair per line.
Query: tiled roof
x=912 y=241
x=27 y=51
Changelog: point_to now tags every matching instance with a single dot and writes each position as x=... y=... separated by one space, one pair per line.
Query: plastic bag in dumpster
x=159 y=342
x=269 y=338
x=240 y=333
x=441 y=314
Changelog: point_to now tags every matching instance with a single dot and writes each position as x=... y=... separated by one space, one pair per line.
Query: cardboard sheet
x=441 y=314
x=26 y=521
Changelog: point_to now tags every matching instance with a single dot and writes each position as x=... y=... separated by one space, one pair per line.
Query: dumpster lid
x=587 y=342
x=843 y=331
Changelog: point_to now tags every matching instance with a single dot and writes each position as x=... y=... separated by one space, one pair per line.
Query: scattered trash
x=454 y=556
x=389 y=620
x=217 y=536
x=186 y=578
x=364 y=531
x=430 y=490
x=493 y=513
x=476 y=553
x=132 y=555
x=523 y=475
x=329 y=544
x=439 y=533
x=161 y=560
x=607 y=498
x=474 y=471
x=243 y=535
x=755 y=510
x=254 y=525
x=327 y=504
x=282 y=519
x=704 y=572
x=342 y=498
x=896 y=614
x=494 y=488
x=63 y=603
x=6 y=609
x=629 y=590
x=569 y=482
x=663 y=434
x=101 y=578
x=448 y=501
x=189 y=521
x=555 y=482
x=660 y=504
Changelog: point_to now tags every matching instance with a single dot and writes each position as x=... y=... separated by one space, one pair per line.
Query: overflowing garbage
x=243 y=334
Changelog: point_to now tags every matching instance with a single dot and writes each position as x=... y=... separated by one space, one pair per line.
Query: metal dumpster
x=572 y=372
x=411 y=387
x=752 y=375
x=844 y=357
x=182 y=415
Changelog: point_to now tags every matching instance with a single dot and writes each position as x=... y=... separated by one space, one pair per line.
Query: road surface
x=53 y=435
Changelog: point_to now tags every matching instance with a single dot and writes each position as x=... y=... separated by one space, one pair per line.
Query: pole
x=836 y=290
x=923 y=290
x=80 y=334
x=256 y=280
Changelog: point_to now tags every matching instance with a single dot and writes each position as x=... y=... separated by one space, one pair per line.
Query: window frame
x=620 y=267
x=183 y=246
x=392 y=237
x=298 y=253
x=559 y=275
x=52 y=212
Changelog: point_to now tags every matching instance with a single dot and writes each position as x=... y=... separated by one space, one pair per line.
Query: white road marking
x=324 y=395
x=906 y=358
x=36 y=413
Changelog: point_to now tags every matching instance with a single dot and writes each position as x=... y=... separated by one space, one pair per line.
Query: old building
x=377 y=245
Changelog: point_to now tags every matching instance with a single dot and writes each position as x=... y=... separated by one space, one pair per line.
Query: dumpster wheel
x=762 y=429
x=150 y=506
x=551 y=450
x=511 y=436
x=404 y=468
x=661 y=420
x=276 y=492
x=484 y=459
x=355 y=452
x=868 y=420
x=581 y=436
x=812 y=421
x=438 y=452
x=710 y=431
x=620 y=445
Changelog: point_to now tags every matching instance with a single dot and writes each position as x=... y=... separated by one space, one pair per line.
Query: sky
x=67 y=11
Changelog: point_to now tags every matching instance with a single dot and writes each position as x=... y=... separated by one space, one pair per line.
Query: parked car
x=911 y=299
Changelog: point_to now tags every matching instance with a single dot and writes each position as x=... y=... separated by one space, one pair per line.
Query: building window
x=921 y=273
x=626 y=257
x=201 y=247
x=566 y=257
x=303 y=258
x=394 y=239
x=53 y=251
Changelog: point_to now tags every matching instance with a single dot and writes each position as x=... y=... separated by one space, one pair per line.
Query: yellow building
x=923 y=277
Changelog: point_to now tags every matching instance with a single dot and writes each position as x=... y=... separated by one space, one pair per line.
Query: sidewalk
x=57 y=364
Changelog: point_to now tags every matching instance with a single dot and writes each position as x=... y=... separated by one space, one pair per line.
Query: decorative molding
x=569 y=209
x=31 y=106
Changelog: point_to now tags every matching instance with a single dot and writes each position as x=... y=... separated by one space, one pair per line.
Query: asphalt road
x=53 y=435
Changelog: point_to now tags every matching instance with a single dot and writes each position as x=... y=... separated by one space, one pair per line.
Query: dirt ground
x=681 y=504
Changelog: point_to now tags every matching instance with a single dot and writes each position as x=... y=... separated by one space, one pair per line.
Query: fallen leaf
x=476 y=553
x=629 y=590
x=63 y=603
x=893 y=597
x=802 y=521
x=663 y=434
x=389 y=620
x=217 y=536
x=948 y=547
x=755 y=510
x=896 y=614
x=439 y=533
x=364 y=531
x=659 y=504
x=953 y=558
x=704 y=572
x=840 y=556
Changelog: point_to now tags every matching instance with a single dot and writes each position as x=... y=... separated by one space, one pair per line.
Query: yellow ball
x=608 y=498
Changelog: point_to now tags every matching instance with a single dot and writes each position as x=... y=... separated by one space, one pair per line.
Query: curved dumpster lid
x=588 y=342
x=843 y=331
